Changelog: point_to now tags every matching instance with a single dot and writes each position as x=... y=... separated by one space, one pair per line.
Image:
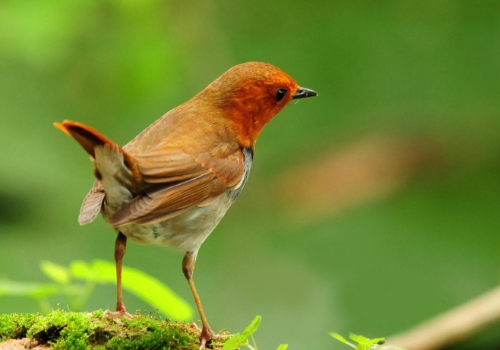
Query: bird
x=172 y=184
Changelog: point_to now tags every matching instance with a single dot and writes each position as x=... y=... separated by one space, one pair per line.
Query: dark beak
x=303 y=92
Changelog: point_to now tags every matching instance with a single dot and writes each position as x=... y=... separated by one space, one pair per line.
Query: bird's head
x=251 y=94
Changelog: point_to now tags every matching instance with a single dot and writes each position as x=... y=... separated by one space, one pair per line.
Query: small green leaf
x=339 y=337
x=366 y=343
x=342 y=339
x=57 y=273
x=252 y=327
x=241 y=339
x=282 y=347
x=359 y=339
x=235 y=342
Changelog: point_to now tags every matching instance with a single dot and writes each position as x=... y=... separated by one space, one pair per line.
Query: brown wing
x=92 y=204
x=167 y=165
x=176 y=181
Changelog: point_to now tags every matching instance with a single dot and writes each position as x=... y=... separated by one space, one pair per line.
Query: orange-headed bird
x=173 y=183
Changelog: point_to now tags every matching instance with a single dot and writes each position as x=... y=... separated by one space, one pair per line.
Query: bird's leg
x=120 y=248
x=188 y=268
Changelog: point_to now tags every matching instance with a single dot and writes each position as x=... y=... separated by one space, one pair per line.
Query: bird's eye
x=280 y=94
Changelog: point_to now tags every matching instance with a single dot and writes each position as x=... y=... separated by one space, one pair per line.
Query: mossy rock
x=73 y=330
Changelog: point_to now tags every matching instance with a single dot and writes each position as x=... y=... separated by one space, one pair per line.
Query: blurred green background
x=369 y=209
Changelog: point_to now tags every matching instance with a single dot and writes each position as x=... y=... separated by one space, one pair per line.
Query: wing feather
x=176 y=181
x=92 y=204
x=170 y=165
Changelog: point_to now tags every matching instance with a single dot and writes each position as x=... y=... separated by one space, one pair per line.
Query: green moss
x=15 y=326
x=72 y=330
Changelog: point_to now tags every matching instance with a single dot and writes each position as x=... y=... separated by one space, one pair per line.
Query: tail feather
x=89 y=138
x=86 y=136
x=125 y=173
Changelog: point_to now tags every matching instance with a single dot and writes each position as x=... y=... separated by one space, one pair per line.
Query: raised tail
x=109 y=172
x=89 y=138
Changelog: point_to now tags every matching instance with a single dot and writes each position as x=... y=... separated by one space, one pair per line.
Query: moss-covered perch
x=72 y=330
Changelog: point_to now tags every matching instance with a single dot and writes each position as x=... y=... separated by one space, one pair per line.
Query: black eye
x=280 y=94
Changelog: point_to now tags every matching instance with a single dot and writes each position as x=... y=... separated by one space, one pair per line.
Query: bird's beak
x=303 y=92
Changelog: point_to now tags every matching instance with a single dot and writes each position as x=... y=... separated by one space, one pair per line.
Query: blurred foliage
x=425 y=71
x=140 y=284
x=147 y=288
x=363 y=343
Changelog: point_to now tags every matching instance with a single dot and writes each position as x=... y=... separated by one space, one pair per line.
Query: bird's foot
x=117 y=314
x=207 y=335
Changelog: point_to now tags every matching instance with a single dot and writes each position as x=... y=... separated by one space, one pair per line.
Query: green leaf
x=342 y=339
x=282 y=347
x=235 y=342
x=359 y=339
x=27 y=289
x=55 y=272
x=252 y=327
x=99 y=271
x=241 y=339
x=138 y=283
x=365 y=343
x=81 y=270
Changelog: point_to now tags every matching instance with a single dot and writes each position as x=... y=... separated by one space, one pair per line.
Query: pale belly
x=185 y=232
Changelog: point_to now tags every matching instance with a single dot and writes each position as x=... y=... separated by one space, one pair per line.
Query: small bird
x=172 y=184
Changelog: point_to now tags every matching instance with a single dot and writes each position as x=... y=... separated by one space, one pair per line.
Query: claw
x=117 y=314
x=195 y=326
x=203 y=342
x=207 y=335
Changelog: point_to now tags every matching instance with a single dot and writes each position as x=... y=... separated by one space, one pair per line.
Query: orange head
x=250 y=95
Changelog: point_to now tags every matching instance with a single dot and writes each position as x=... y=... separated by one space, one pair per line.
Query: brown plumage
x=173 y=183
